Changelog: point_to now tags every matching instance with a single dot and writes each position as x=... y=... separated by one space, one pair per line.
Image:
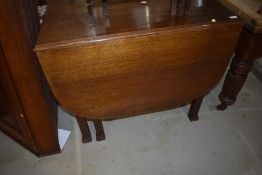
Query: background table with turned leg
x=249 y=48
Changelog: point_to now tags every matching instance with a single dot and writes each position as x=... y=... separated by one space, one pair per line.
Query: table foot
x=100 y=134
x=222 y=107
x=235 y=79
x=194 y=109
x=84 y=128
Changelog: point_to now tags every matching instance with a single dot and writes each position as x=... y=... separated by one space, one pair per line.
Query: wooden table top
x=68 y=21
x=247 y=9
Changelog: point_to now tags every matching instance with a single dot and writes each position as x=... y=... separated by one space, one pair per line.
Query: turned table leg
x=194 y=109
x=100 y=134
x=83 y=125
x=248 y=49
x=235 y=79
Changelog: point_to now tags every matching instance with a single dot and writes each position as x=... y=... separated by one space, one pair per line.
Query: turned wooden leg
x=100 y=134
x=235 y=79
x=248 y=49
x=194 y=108
x=83 y=125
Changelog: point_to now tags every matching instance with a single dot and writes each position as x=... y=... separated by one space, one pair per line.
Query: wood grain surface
x=120 y=58
x=134 y=74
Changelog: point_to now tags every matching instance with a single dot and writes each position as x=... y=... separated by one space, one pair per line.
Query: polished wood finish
x=67 y=22
x=247 y=50
x=112 y=61
x=28 y=113
x=11 y=121
x=133 y=76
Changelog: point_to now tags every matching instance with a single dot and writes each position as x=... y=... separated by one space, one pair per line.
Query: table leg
x=248 y=49
x=194 y=109
x=235 y=79
x=83 y=125
x=100 y=134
